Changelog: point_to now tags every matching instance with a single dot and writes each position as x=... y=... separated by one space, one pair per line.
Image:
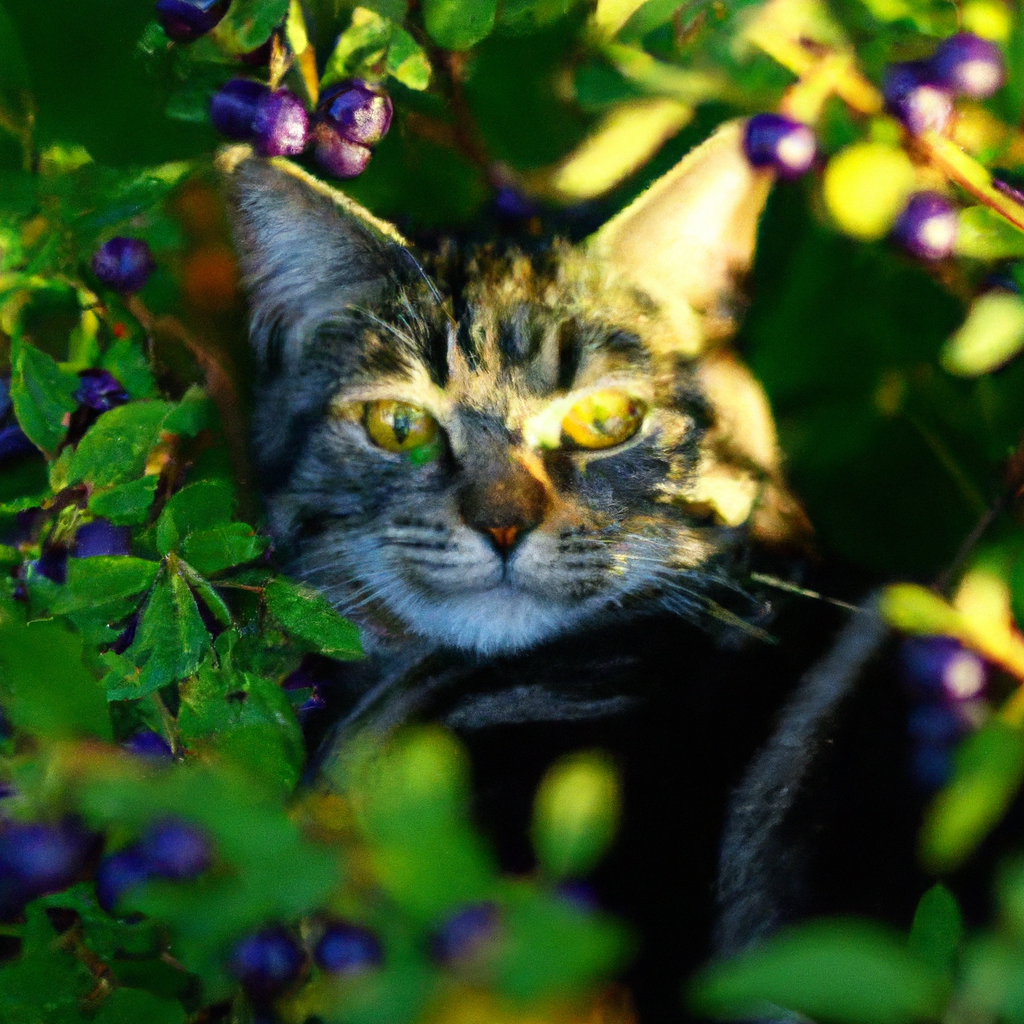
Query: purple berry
x=186 y=20
x=465 y=933
x=100 y=390
x=935 y=724
x=912 y=94
x=118 y=873
x=508 y=202
x=931 y=766
x=233 y=108
x=150 y=745
x=267 y=962
x=771 y=140
x=347 y=949
x=969 y=66
x=123 y=264
x=102 y=538
x=357 y=111
x=927 y=227
x=336 y=155
x=281 y=125
x=176 y=849
x=14 y=443
x=580 y=895
x=42 y=858
x=53 y=564
x=259 y=57
x=939 y=667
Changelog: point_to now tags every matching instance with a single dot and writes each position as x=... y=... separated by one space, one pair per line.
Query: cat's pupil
x=401 y=425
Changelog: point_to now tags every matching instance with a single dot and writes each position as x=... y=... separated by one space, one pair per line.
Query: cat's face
x=492 y=449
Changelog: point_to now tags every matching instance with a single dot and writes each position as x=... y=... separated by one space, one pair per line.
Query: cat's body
x=535 y=481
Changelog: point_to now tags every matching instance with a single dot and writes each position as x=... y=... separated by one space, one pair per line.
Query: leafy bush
x=158 y=857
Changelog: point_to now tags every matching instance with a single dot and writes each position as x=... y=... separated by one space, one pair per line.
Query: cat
x=536 y=481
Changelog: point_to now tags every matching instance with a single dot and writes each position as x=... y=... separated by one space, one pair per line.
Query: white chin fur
x=494 y=621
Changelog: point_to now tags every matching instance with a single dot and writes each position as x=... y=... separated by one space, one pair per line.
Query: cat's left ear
x=308 y=252
x=687 y=239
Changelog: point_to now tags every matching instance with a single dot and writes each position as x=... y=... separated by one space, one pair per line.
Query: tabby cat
x=534 y=480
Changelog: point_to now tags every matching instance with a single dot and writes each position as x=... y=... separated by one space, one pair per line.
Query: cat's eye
x=398 y=426
x=603 y=419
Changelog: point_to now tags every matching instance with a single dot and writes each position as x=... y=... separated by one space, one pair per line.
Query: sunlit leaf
x=43 y=395
x=459 y=24
x=308 y=615
x=938 y=929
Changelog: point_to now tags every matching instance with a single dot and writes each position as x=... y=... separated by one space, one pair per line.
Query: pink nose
x=504 y=536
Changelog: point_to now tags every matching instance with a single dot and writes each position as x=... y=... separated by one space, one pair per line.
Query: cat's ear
x=307 y=252
x=686 y=240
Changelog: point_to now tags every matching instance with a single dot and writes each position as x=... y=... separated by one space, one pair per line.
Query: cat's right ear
x=307 y=252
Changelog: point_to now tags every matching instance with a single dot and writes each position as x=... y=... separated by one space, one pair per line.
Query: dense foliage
x=158 y=857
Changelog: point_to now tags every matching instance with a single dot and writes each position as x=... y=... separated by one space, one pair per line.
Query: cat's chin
x=503 y=619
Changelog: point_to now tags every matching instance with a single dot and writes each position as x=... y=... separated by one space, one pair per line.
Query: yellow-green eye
x=398 y=427
x=603 y=419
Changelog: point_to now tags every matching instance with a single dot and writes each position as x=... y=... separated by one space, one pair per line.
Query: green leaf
x=195 y=412
x=841 y=970
x=210 y=551
x=132 y=1005
x=205 y=593
x=13 y=66
x=1017 y=589
x=248 y=23
x=984 y=235
x=125 y=504
x=988 y=769
x=128 y=363
x=43 y=394
x=938 y=929
x=171 y=640
x=359 y=47
x=459 y=24
x=407 y=61
x=308 y=615
x=115 y=448
x=198 y=506
x=44 y=685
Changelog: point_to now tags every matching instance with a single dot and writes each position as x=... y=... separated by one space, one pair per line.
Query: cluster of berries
x=921 y=95
x=184 y=21
x=349 y=120
x=947 y=683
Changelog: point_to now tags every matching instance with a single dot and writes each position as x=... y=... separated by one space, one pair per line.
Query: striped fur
x=497 y=345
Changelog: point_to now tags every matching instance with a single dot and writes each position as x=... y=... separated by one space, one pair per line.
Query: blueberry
x=102 y=538
x=267 y=962
x=969 y=66
x=44 y=857
x=186 y=20
x=935 y=724
x=150 y=745
x=118 y=873
x=337 y=155
x=931 y=766
x=927 y=226
x=14 y=443
x=347 y=949
x=912 y=94
x=6 y=405
x=176 y=849
x=939 y=667
x=578 y=894
x=281 y=125
x=771 y=140
x=233 y=108
x=123 y=264
x=100 y=390
x=465 y=933
x=508 y=202
x=357 y=111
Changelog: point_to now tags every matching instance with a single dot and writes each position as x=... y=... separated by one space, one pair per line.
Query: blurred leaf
x=1017 y=590
x=839 y=970
x=914 y=609
x=125 y=504
x=125 y=359
x=527 y=16
x=576 y=813
x=984 y=235
x=44 y=686
x=459 y=24
x=611 y=15
x=196 y=507
x=938 y=929
x=407 y=60
x=306 y=614
x=992 y=333
x=248 y=23
x=115 y=448
x=132 y=1005
x=359 y=47
x=43 y=394
x=988 y=769
x=195 y=412
x=103 y=579
x=13 y=66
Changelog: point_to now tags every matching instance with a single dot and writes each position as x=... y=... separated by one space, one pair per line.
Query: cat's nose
x=505 y=505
